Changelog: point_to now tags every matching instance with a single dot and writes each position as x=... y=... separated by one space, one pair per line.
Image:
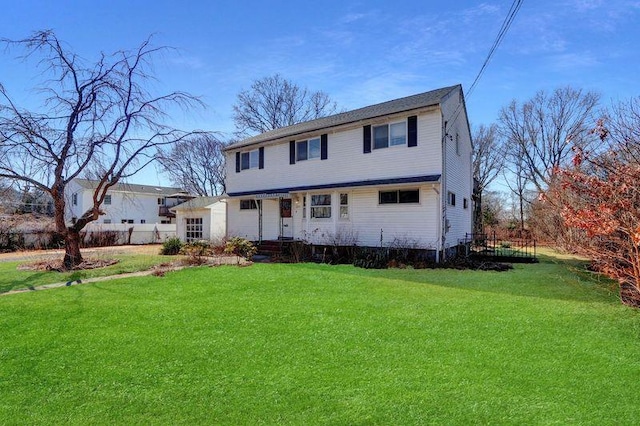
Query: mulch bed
x=56 y=265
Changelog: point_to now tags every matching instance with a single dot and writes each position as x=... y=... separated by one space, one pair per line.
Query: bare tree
x=517 y=178
x=96 y=120
x=274 y=102
x=196 y=164
x=545 y=129
x=488 y=162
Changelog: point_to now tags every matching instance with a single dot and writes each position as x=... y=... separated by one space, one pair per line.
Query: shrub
x=196 y=251
x=372 y=258
x=172 y=246
x=240 y=247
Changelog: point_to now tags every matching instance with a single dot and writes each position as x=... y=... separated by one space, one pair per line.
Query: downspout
x=443 y=191
x=259 y=202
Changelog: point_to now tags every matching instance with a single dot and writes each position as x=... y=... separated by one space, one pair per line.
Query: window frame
x=252 y=204
x=389 y=140
x=451 y=198
x=318 y=204
x=193 y=229
x=305 y=148
x=343 y=205
x=107 y=200
x=252 y=159
x=401 y=196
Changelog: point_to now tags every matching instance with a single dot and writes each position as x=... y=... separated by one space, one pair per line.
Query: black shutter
x=323 y=147
x=412 y=130
x=237 y=162
x=366 y=139
x=261 y=158
x=292 y=152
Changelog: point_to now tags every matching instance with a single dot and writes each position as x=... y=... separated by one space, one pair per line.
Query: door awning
x=265 y=195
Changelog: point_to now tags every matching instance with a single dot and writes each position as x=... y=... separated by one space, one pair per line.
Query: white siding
x=346 y=161
x=214 y=221
x=411 y=224
x=124 y=205
x=244 y=223
x=458 y=171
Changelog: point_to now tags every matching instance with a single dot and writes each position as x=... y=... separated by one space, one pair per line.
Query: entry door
x=286 y=220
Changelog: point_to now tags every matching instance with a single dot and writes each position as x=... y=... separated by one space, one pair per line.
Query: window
x=407 y=196
x=451 y=198
x=106 y=221
x=250 y=160
x=304 y=207
x=248 y=205
x=161 y=201
x=143 y=221
x=344 y=206
x=126 y=221
x=308 y=150
x=74 y=199
x=193 y=229
x=165 y=221
x=321 y=206
x=389 y=135
x=107 y=200
x=465 y=203
x=457 y=144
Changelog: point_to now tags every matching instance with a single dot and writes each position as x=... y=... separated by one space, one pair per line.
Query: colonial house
x=202 y=218
x=125 y=202
x=392 y=174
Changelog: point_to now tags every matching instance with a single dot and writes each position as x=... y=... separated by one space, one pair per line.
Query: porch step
x=272 y=248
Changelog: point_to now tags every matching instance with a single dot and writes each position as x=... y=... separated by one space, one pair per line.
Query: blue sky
x=358 y=52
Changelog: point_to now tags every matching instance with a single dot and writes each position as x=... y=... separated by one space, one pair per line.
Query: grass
x=318 y=344
x=11 y=278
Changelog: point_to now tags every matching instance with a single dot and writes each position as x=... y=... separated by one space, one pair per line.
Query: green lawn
x=318 y=344
x=11 y=278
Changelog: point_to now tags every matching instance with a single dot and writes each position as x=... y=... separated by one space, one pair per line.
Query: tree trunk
x=72 y=256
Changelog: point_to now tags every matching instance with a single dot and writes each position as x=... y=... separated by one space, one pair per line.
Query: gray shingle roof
x=132 y=187
x=196 y=203
x=408 y=103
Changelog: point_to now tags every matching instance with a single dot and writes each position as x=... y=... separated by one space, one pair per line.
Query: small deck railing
x=489 y=246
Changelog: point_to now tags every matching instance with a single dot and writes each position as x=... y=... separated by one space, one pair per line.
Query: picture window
x=321 y=206
x=407 y=196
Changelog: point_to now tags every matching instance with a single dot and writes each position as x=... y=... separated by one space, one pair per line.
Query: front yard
x=318 y=344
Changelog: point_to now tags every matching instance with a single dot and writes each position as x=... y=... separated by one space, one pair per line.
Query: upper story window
x=451 y=198
x=409 y=196
x=308 y=150
x=161 y=201
x=74 y=199
x=389 y=135
x=250 y=160
x=107 y=199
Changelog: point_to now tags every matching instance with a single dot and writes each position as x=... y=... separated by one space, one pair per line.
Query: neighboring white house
x=396 y=173
x=202 y=218
x=125 y=202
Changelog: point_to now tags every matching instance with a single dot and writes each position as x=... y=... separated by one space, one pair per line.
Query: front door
x=286 y=219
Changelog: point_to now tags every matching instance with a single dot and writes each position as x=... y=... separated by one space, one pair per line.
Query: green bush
x=172 y=246
x=240 y=247
x=372 y=258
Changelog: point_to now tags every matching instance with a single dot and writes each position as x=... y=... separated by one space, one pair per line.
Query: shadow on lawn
x=552 y=278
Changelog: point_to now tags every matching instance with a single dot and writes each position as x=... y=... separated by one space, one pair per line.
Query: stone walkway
x=106 y=251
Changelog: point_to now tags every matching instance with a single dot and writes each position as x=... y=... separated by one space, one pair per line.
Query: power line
x=508 y=20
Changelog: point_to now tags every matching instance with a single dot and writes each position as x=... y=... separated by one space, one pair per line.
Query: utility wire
x=506 y=24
